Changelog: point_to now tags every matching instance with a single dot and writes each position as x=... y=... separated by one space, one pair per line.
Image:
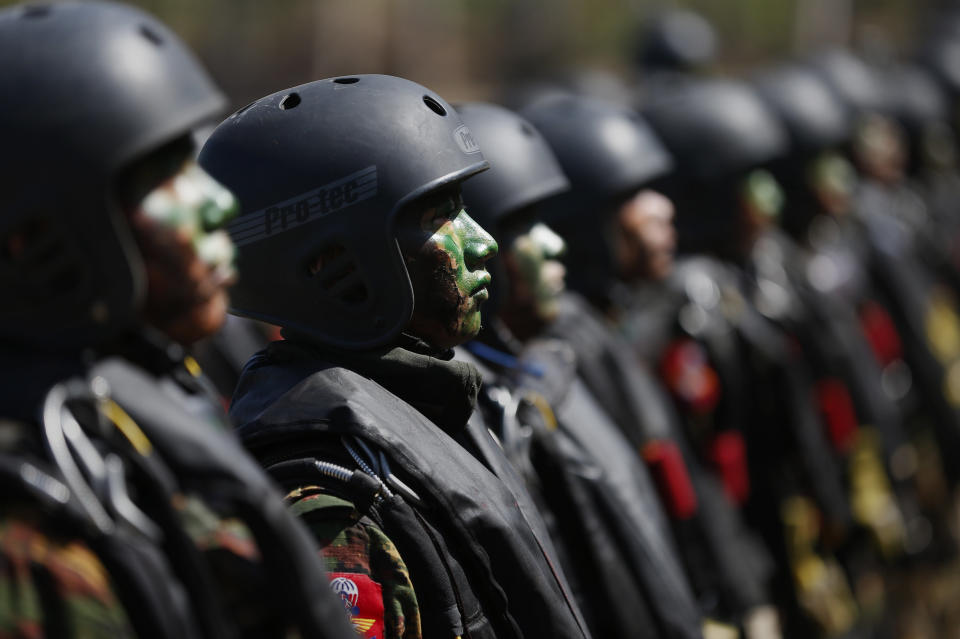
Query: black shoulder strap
x=209 y=462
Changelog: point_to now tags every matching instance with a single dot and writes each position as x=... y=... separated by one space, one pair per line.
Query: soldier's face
x=187 y=254
x=445 y=252
x=833 y=181
x=761 y=200
x=535 y=273
x=645 y=240
x=879 y=149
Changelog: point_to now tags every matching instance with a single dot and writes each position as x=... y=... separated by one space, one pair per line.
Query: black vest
x=727 y=566
x=607 y=511
x=290 y=402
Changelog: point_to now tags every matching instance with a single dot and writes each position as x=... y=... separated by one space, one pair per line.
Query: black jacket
x=293 y=399
x=727 y=566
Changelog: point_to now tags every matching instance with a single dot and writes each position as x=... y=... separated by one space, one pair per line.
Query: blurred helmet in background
x=608 y=153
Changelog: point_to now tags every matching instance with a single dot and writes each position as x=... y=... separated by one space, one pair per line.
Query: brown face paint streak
x=440 y=305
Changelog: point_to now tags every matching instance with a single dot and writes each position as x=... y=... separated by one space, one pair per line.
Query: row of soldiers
x=498 y=405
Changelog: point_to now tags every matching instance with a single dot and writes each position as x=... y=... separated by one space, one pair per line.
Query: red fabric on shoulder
x=686 y=370
x=669 y=471
x=728 y=455
x=836 y=406
x=881 y=332
x=363 y=600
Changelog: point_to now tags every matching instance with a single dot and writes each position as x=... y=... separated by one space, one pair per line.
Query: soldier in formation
x=129 y=508
x=677 y=368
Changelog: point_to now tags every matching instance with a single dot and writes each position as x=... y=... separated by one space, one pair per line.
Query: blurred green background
x=467 y=49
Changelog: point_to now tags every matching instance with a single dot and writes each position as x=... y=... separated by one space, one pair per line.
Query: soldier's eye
x=448 y=208
x=433 y=218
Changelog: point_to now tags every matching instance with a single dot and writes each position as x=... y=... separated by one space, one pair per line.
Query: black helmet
x=523 y=172
x=817 y=122
x=608 y=153
x=920 y=105
x=676 y=40
x=717 y=131
x=523 y=168
x=918 y=100
x=942 y=56
x=814 y=117
x=851 y=79
x=323 y=169
x=88 y=88
x=939 y=46
x=941 y=23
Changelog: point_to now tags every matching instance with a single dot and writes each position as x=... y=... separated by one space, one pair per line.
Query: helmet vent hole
x=36 y=11
x=347 y=80
x=434 y=106
x=151 y=35
x=527 y=130
x=290 y=101
x=337 y=274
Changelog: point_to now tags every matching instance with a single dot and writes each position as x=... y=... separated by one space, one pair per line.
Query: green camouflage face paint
x=188 y=257
x=833 y=180
x=445 y=250
x=195 y=204
x=879 y=148
x=763 y=195
x=537 y=277
x=761 y=200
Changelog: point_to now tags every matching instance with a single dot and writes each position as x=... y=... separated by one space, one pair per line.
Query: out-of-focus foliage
x=466 y=49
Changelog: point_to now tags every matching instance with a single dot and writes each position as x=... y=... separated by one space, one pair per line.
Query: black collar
x=442 y=388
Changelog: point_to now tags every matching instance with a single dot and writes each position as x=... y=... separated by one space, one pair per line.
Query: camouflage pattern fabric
x=356 y=551
x=39 y=572
x=37 y=567
x=231 y=553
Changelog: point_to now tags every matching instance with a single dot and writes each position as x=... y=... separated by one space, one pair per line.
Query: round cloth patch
x=362 y=598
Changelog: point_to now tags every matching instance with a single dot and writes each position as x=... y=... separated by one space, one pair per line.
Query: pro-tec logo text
x=304 y=208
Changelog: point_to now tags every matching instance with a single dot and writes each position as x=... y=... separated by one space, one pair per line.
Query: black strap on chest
x=208 y=462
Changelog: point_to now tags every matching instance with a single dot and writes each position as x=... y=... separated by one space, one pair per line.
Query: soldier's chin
x=661 y=266
x=465 y=331
x=547 y=310
x=199 y=321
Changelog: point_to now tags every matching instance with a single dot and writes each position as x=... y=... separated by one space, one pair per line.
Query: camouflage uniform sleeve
x=364 y=566
x=231 y=552
x=54 y=587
